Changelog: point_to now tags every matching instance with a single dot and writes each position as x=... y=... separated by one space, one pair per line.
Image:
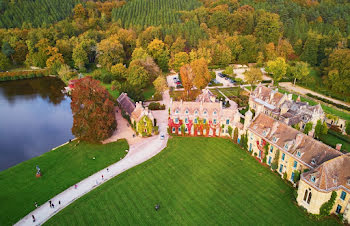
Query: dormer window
x=313 y=179
x=286 y=146
x=298 y=154
x=274 y=139
x=313 y=161
x=334 y=180
x=264 y=133
x=177 y=111
x=186 y=112
x=196 y=112
x=214 y=113
x=255 y=127
x=205 y=112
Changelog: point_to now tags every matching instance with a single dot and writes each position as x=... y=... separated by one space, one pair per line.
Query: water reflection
x=34 y=117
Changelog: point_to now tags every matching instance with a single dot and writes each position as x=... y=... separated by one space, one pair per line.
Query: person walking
x=53 y=206
x=107 y=170
x=50 y=203
x=102 y=176
x=59 y=202
x=33 y=218
x=75 y=186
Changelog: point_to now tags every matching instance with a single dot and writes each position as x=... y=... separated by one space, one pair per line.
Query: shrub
x=285 y=176
x=156 y=106
x=296 y=176
x=326 y=207
x=308 y=128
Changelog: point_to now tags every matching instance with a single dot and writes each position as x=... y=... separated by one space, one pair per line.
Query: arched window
x=305 y=195
x=309 y=199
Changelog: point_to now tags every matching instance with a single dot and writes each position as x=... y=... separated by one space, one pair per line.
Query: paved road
x=138 y=153
x=301 y=90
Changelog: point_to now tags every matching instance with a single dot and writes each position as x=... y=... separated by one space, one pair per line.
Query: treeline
x=152 y=12
x=222 y=32
x=26 y=13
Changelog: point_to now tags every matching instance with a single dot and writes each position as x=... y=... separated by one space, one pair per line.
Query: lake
x=35 y=116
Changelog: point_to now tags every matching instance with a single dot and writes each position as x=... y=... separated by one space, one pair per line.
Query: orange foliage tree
x=201 y=73
x=93 y=111
x=186 y=78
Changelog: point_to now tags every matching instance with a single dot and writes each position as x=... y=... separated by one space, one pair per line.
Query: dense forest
x=101 y=36
x=25 y=13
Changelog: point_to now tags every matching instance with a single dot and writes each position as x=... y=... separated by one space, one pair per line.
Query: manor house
x=204 y=117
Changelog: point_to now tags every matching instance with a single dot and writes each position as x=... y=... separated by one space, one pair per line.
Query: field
x=196 y=181
x=152 y=12
x=61 y=168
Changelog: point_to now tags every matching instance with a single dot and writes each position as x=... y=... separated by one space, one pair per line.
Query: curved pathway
x=139 y=152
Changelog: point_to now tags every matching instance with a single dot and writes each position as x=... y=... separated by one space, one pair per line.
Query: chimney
x=338 y=147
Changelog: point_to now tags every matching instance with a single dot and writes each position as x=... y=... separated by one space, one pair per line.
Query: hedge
x=16 y=75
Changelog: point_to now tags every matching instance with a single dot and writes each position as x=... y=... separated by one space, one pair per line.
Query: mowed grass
x=61 y=168
x=332 y=140
x=114 y=93
x=196 y=181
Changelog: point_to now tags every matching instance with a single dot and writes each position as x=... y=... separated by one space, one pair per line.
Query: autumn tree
x=178 y=60
x=139 y=54
x=268 y=28
x=201 y=75
x=253 y=76
x=300 y=70
x=80 y=57
x=149 y=65
x=93 y=111
x=160 y=84
x=178 y=45
x=55 y=59
x=118 y=71
x=110 y=51
x=278 y=68
x=137 y=76
x=160 y=53
x=338 y=71
x=4 y=62
x=187 y=78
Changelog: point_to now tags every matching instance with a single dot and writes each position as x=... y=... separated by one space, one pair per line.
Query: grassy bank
x=196 y=181
x=61 y=168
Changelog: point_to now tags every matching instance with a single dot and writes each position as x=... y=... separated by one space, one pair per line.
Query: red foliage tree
x=93 y=111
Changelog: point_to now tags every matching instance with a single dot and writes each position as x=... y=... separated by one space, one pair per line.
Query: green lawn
x=149 y=92
x=332 y=140
x=114 y=93
x=196 y=181
x=233 y=91
x=61 y=168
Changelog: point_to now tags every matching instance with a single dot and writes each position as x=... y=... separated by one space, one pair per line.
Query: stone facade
x=317 y=185
x=282 y=107
x=203 y=118
x=297 y=151
x=141 y=118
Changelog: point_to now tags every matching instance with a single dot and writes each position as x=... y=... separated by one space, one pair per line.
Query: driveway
x=303 y=91
x=123 y=130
